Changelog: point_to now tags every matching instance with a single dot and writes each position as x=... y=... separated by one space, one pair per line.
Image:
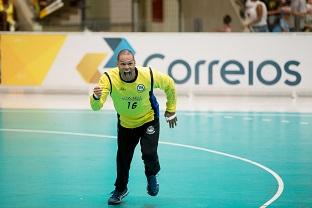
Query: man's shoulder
x=111 y=71
x=142 y=68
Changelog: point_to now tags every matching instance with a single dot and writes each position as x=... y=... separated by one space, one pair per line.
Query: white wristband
x=171 y=117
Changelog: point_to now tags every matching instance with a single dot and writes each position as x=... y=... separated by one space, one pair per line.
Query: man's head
x=227 y=19
x=126 y=65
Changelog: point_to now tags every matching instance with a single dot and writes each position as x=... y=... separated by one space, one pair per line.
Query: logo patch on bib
x=150 y=130
x=140 y=88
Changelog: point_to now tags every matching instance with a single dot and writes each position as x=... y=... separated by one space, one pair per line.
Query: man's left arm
x=166 y=83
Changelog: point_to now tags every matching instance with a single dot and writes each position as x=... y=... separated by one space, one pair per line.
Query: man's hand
x=171 y=119
x=97 y=92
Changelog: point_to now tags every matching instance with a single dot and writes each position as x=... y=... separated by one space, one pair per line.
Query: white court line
x=284 y=121
x=279 y=180
x=211 y=113
x=65 y=111
x=242 y=114
x=274 y=174
x=266 y=119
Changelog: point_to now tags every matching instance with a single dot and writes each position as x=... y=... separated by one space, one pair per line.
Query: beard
x=128 y=76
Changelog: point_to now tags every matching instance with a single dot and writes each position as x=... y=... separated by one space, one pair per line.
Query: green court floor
x=66 y=158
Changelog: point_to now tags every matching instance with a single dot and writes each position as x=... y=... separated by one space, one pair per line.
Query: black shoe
x=152 y=186
x=117 y=197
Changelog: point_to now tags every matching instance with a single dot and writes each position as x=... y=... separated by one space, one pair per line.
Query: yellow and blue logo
x=89 y=64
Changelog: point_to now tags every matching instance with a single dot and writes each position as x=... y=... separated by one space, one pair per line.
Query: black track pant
x=127 y=139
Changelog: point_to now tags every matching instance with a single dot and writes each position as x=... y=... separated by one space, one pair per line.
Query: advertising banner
x=203 y=63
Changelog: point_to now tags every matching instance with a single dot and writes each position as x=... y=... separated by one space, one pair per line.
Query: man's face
x=126 y=65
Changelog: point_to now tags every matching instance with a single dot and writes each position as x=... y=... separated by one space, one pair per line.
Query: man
x=298 y=11
x=227 y=19
x=7 y=15
x=256 y=16
x=131 y=88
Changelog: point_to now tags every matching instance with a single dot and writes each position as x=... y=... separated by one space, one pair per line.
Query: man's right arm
x=100 y=92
